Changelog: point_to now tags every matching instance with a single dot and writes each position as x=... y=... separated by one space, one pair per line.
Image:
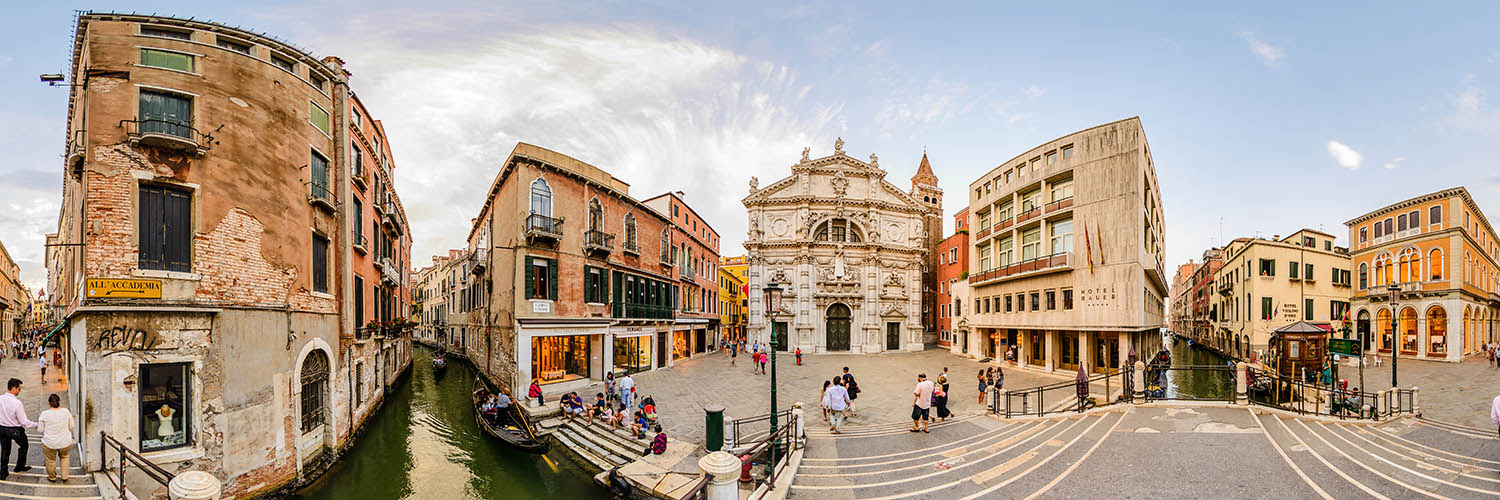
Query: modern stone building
x=1264 y=285
x=852 y=251
x=1067 y=249
x=212 y=264
x=1440 y=250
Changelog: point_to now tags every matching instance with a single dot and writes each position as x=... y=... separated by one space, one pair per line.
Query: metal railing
x=319 y=193
x=594 y=239
x=1061 y=397
x=632 y=310
x=1158 y=387
x=740 y=434
x=769 y=457
x=172 y=133
x=1045 y=262
x=541 y=225
x=1267 y=388
x=1059 y=205
x=125 y=458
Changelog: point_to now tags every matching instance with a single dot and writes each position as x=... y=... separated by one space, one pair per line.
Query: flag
x=1088 y=248
x=1101 y=241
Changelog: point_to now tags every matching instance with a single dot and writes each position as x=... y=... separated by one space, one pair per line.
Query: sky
x=1262 y=118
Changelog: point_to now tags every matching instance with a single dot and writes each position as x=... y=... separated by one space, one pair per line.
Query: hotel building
x=1265 y=284
x=1440 y=250
x=1067 y=251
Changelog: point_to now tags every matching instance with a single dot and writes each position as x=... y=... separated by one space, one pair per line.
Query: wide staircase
x=599 y=445
x=33 y=484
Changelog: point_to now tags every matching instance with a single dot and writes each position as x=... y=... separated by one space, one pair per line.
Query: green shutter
x=530 y=278
x=552 y=279
x=169 y=60
x=317 y=116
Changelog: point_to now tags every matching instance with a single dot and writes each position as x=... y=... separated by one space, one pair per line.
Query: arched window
x=541 y=197
x=1389 y=271
x=630 y=231
x=1437 y=331
x=666 y=244
x=1383 y=325
x=1416 y=267
x=838 y=230
x=1435 y=263
x=1409 y=330
x=314 y=384
x=1403 y=267
x=1364 y=276
x=596 y=215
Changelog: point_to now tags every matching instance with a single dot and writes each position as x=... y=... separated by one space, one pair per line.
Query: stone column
x=721 y=469
x=1049 y=337
x=1140 y=381
x=1084 y=353
x=1241 y=374
x=798 y=420
x=194 y=485
x=1023 y=346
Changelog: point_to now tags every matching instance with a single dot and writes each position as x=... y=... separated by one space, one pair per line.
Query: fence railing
x=768 y=457
x=1061 y=397
x=1213 y=383
x=1267 y=388
x=125 y=457
x=747 y=430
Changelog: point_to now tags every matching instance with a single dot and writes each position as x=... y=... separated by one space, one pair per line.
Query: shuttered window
x=164 y=232
x=317 y=116
x=164 y=113
x=541 y=278
x=320 y=264
x=318 y=165
x=169 y=60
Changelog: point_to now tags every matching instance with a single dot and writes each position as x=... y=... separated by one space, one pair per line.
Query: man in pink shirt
x=13 y=424
x=921 y=404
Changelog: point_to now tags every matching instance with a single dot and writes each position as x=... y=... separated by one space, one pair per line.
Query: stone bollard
x=1241 y=375
x=1416 y=408
x=1140 y=381
x=722 y=469
x=194 y=485
x=798 y=431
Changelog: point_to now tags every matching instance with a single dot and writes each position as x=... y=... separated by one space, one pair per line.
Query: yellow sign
x=118 y=288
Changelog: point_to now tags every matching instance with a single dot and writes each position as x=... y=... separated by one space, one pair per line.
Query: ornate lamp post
x=773 y=303
x=1395 y=336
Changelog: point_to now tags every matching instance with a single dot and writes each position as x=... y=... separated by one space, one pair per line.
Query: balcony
x=595 y=241
x=538 y=226
x=631 y=248
x=1045 y=263
x=388 y=219
x=477 y=261
x=389 y=274
x=1226 y=287
x=624 y=310
x=168 y=134
x=1059 y=205
x=360 y=176
x=318 y=194
x=666 y=261
x=1028 y=215
x=1003 y=225
x=982 y=233
x=361 y=244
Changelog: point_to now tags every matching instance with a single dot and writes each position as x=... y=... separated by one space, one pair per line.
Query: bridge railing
x=744 y=431
x=1267 y=388
x=124 y=457
x=1210 y=383
x=1061 y=397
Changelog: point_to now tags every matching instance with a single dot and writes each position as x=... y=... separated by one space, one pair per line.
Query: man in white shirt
x=13 y=424
x=626 y=385
x=921 y=404
x=836 y=399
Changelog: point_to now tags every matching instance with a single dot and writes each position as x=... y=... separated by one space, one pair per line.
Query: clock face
x=779 y=227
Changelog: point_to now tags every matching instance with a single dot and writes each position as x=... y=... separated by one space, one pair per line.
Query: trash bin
x=713 y=427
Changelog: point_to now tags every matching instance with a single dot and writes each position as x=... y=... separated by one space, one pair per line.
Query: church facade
x=851 y=251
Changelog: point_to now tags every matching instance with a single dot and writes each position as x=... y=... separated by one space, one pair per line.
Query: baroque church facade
x=852 y=251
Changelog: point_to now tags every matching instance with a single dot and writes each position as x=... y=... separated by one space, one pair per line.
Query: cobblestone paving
x=1460 y=393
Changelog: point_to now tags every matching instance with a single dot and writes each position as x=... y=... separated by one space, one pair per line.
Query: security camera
x=51 y=78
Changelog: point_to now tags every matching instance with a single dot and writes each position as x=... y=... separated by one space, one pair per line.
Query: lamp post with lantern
x=773 y=303
x=1395 y=335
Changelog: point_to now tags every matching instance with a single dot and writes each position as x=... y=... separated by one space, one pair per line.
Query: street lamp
x=1395 y=336
x=773 y=303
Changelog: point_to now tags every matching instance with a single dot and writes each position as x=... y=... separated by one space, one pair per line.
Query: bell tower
x=924 y=190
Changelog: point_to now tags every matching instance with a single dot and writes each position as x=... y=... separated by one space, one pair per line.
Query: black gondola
x=439 y=361
x=512 y=427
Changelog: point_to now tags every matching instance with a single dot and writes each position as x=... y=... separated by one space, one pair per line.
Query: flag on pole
x=1088 y=248
x=1101 y=241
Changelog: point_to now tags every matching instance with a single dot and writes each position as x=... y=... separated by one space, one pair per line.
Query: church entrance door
x=892 y=336
x=836 y=327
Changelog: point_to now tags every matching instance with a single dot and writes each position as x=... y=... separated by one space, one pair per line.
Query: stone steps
x=33 y=484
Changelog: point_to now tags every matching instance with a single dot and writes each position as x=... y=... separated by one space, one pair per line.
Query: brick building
x=952 y=267
x=697 y=245
x=1201 y=306
x=13 y=298
x=212 y=268
x=431 y=288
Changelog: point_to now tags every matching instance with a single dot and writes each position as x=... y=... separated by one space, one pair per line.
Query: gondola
x=439 y=362
x=512 y=427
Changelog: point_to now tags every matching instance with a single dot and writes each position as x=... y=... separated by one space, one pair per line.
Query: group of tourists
x=838 y=398
x=57 y=428
x=758 y=356
x=930 y=401
x=615 y=407
x=1492 y=351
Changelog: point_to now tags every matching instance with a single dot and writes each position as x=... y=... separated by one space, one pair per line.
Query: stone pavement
x=1459 y=393
x=34 y=391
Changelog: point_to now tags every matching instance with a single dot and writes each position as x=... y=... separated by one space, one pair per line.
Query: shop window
x=680 y=348
x=632 y=354
x=163 y=403
x=1437 y=331
x=557 y=359
x=165 y=230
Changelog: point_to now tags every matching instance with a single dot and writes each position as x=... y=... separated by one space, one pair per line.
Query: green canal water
x=424 y=444
x=1198 y=384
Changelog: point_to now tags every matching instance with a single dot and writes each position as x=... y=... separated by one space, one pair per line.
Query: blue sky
x=1268 y=117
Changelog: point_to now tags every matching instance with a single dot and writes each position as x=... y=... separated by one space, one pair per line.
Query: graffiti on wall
x=119 y=339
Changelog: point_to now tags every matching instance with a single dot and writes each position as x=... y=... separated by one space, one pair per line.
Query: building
x=849 y=249
x=1067 y=251
x=1440 y=250
x=731 y=305
x=431 y=288
x=209 y=263
x=13 y=297
x=1264 y=285
x=924 y=186
x=739 y=266
x=697 y=248
x=566 y=277
x=1201 y=313
x=952 y=267
x=1180 y=304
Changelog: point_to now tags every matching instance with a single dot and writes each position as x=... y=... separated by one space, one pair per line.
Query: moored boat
x=511 y=426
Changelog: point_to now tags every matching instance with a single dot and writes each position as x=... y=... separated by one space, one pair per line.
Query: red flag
x=1088 y=248
x=1101 y=241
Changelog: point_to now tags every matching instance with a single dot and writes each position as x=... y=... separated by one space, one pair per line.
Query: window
x=1265 y=308
x=284 y=63
x=359 y=301
x=1020 y=302
x=1051 y=157
x=953 y=255
x=1008 y=303
x=165 y=113
x=630 y=243
x=1364 y=235
x=1007 y=176
x=838 y=230
x=1435 y=214
x=1435 y=262
x=1307 y=272
x=320 y=263
x=165 y=231
x=317 y=82
x=231 y=44
x=595 y=287
x=164 y=406
x=1401 y=222
x=1062 y=237
x=317 y=116
x=318 y=176
x=1029 y=200
x=1307 y=309
x=1005 y=212
x=1328 y=245
x=1067 y=293
x=1364 y=276
x=1051 y=300
x=1415 y=219
x=1267 y=267
x=1388 y=231
x=169 y=60
x=1036 y=303
x=1031 y=244
x=1379 y=230
x=541 y=278
x=166 y=32
x=984 y=220
x=314 y=380
x=541 y=197
x=1067 y=151
x=1062 y=191
x=1292 y=269
x=359 y=383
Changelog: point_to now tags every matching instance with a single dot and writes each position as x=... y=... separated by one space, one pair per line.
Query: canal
x=424 y=443
x=1198 y=384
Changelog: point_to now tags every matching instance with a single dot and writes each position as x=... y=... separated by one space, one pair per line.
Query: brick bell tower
x=924 y=189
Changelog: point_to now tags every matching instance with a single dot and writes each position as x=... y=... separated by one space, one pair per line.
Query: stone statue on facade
x=805 y=153
x=874 y=160
x=838 y=146
x=754 y=184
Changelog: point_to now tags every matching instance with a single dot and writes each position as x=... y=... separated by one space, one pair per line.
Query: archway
x=1383 y=325
x=314 y=400
x=836 y=327
x=1362 y=328
x=1437 y=331
x=1408 y=331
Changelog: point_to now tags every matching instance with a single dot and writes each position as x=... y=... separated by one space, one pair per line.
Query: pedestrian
x=42 y=360
x=999 y=382
x=853 y=388
x=799 y=356
x=921 y=404
x=627 y=389
x=822 y=397
x=734 y=352
x=609 y=387
x=982 y=387
x=763 y=357
x=836 y=399
x=57 y=438
x=940 y=398
x=13 y=424
x=535 y=392
x=1494 y=416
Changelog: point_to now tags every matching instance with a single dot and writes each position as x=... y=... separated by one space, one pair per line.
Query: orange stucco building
x=1440 y=250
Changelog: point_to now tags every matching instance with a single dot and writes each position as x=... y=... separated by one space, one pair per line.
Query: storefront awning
x=54 y=331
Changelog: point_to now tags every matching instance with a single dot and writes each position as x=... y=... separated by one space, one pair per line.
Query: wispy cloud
x=1395 y=162
x=1269 y=54
x=1471 y=111
x=938 y=100
x=1034 y=91
x=1344 y=155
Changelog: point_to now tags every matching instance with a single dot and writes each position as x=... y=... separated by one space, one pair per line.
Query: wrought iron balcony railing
x=538 y=226
x=170 y=134
x=598 y=241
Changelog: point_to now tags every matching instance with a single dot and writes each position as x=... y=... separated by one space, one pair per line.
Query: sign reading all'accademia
x=99 y=288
